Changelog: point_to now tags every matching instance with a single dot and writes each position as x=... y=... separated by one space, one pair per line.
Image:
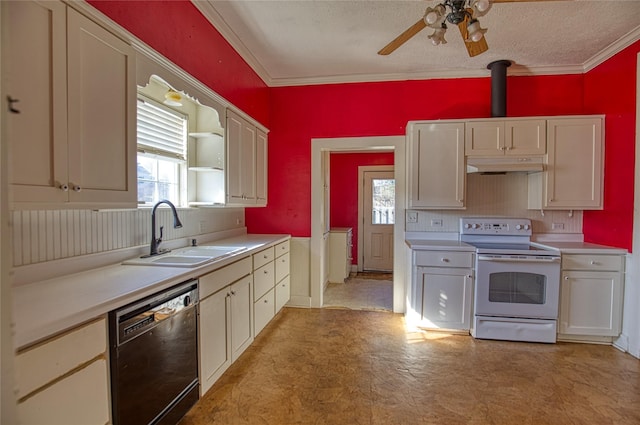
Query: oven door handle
x=519 y=260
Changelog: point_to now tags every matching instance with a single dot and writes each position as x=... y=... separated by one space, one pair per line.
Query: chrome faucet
x=155 y=243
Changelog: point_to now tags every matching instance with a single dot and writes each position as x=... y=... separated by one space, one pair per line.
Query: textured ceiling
x=306 y=42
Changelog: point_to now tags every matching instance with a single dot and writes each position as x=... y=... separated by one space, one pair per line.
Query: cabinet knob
x=592 y=262
x=266 y=301
x=444 y=260
x=64 y=187
x=566 y=278
x=233 y=292
x=76 y=188
x=266 y=256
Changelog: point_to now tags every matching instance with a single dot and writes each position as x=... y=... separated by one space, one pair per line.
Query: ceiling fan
x=463 y=13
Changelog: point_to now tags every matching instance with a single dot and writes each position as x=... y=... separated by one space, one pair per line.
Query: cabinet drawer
x=282 y=267
x=282 y=248
x=590 y=262
x=263 y=280
x=79 y=399
x=44 y=363
x=283 y=293
x=216 y=280
x=264 y=310
x=263 y=257
x=444 y=259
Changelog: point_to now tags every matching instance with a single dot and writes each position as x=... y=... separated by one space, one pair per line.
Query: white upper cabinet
x=246 y=162
x=73 y=142
x=437 y=172
x=575 y=166
x=505 y=138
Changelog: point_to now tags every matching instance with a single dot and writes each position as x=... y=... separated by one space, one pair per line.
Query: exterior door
x=378 y=216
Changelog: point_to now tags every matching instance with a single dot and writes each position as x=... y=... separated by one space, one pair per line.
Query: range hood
x=504 y=164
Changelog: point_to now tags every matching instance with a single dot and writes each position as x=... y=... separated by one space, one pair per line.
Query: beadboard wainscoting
x=498 y=195
x=39 y=236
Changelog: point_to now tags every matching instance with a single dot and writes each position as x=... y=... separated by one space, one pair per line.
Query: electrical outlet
x=436 y=222
x=412 y=217
x=557 y=226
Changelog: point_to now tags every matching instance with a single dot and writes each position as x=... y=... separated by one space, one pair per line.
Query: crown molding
x=614 y=48
x=211 y=14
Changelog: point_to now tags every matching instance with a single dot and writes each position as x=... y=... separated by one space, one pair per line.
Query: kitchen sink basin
x=191 y=256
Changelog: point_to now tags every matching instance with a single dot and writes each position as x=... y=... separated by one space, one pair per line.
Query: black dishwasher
x=154 y=357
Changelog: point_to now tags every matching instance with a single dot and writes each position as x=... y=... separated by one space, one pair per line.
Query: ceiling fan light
x=433 y=17
x=475 y=31
x=438 y=36
x=480 y=7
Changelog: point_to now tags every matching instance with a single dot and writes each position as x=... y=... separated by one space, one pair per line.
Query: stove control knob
x=467 y=226
x=518 y=226
x=526 y=227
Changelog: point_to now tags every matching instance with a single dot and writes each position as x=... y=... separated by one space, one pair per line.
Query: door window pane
x=383 y=192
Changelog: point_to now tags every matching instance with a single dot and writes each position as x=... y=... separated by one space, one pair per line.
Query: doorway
x=376 y=218
x=319 y=147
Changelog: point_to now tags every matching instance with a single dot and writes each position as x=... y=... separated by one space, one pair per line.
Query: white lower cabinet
x=340 y=243
x=65 y=380
x=225 y=319
x=591 y=296
x=441 y=290
x=271 y=283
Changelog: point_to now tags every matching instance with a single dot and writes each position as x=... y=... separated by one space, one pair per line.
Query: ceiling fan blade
x=404 y=37
x=474 y=48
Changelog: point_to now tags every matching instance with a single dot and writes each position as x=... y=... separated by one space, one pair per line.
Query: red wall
x=295 y=115
x=611 y=89
x=178 y=30
x=343 y=189
x=299 y=114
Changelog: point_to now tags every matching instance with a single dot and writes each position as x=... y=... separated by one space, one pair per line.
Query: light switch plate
x=436 y=222
x=412 y=217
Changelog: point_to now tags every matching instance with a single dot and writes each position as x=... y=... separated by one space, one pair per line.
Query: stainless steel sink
x=191 y=256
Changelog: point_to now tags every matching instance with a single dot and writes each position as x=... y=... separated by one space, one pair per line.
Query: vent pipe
x=499 y=87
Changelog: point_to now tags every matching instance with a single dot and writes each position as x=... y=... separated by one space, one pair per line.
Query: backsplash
x=497 y=195
x=39 y=236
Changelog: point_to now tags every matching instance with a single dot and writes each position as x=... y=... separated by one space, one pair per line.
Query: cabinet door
x=241 y=160
x=261 y=168
x=574 y=178
x=241 y=303
x=446 y=298
x=283 y=293
x=81 y=398
x=264 y=310
x=34 y=52
x=215 y=344
x=102 y=114
x=484 y=138
x=525 y=137
x=436 y=166
x=591 y=303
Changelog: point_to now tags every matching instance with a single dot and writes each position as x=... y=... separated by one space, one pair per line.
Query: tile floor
x=362 y=291
x=332 y=366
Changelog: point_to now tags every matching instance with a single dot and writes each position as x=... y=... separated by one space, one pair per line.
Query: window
x=383 y=201
x=162 y=135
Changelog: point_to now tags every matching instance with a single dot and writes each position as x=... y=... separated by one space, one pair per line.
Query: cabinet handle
x=266 y=256
x=593 y=263
x=77 y=188
x=12 y=102
x=64 y=187
x=266 y=301
x=233 y=292
x=266 y=272
x=444 y=260
x=566 y=278
x=502 y=148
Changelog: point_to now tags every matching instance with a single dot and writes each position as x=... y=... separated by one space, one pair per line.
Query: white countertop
x=582 y=248
x=47 y=307
x=439 y=244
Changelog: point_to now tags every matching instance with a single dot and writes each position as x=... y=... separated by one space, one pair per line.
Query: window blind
x=161 y=131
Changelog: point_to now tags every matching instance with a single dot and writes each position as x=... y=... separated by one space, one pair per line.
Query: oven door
x=517 y=286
